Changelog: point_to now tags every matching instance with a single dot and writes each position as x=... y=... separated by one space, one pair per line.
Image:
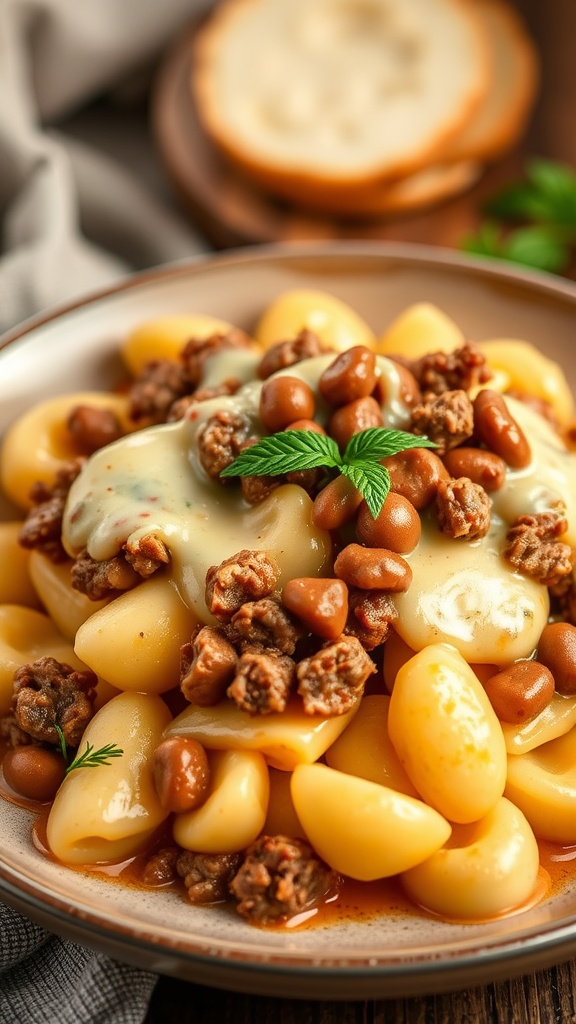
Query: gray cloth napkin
x=44 y=980
x=72 y=220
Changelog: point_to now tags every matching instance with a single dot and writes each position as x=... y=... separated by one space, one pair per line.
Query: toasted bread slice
x=502 y=115
x=318 y=99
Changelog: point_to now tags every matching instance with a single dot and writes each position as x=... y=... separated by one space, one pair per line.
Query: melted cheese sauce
x=462 y=593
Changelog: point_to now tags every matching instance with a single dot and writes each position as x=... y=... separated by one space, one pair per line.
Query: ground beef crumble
x=331 y=681
x=370 y=615
x=246 y=576
x=207 y=876
x=48 y=693
x=99 y=580
x=263 y=682
x=446 y=419
x=305 y=345
x=533 y=547
x=264 y=623
x=278 y=878
x=207 y=666
x=220 y=441
x=463 y=508
x=462 y=369
x=42 y=528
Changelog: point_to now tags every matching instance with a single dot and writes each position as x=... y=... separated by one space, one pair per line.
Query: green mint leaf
x=376 y=443
x=284 y=453
x=373 y=482
x=90 y=758
x=488 y=241
x=555 y=185
x=518 y=202
x=538 y=246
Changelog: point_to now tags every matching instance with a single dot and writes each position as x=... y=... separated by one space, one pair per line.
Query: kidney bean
x=306 y=425
x=283 y=400
x=482 y=467
x=409 y=389
x=181 y=773
x=397 y=526
x=415 y=474
x=521 y=691
x=497 y=428
x=321 y=604
x=373 y=569
x=34 y=772
x=352 y=375
x=336 y=504
x=557 y=650
x=350 y=419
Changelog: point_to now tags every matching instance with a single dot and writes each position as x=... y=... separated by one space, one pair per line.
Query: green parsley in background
x=544 y=204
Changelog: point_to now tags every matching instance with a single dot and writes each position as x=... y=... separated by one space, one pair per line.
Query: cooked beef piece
x=305 y=345
x=460 y=370
x=48 y=693
x=331 y=681
x=533 y=547
x=42 y=528
x=246 y=576
x=99 y=580
x=446 y=419
x=207 y=666
x=463 y=508
x=370 y=614
x=263 y=682
x=264 y=623
x=280 y=877
x=207 y=876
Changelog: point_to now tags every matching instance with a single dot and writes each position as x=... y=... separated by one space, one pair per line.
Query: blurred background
x=107 y=164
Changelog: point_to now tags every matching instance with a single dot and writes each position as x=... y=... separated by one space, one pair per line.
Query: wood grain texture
x=546 y=997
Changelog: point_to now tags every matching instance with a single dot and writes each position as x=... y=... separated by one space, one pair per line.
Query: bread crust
x=329 y=187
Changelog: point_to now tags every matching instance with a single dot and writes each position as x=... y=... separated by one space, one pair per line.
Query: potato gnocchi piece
x=362 y=829
x=335 y=323
x=529 y=370
x=557 y=718
x=485 y=868
x=234 y=812
x=542 y=783
x=108 y=812
x=68 y=608
x=364 y=748
x=166 y=336
x=16 y=586
x=419 y=329
x=134 y=641
x=38 y=443
x=285 y=739
x=446 y=734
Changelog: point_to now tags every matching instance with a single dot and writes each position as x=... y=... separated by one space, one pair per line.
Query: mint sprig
x=544 y=204
x=292 y=450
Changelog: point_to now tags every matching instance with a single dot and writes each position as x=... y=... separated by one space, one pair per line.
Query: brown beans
x=373 y=569
x=521 y=691
x=415 y=474
x=352 y=418
x=181 y=773
x=482 y=467
x=321 y=604
x=34 y=772
x=352 y=375
x=306 y=425
x=283 y=400
x=495 y=426
x=336 y=504
x=557 y=650
x=397 y=527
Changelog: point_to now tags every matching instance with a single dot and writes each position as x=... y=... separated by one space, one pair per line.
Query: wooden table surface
x=545 y=997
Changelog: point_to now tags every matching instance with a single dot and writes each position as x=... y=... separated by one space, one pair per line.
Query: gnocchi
x=351 y=722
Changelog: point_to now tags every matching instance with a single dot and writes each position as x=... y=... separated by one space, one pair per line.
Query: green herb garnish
x=545 y=203
x=292 y=450
x=90 y=757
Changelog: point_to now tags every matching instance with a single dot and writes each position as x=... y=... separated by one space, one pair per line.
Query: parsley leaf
x=291 y=450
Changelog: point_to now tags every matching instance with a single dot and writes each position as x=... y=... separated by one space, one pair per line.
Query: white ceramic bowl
x=386 y=956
